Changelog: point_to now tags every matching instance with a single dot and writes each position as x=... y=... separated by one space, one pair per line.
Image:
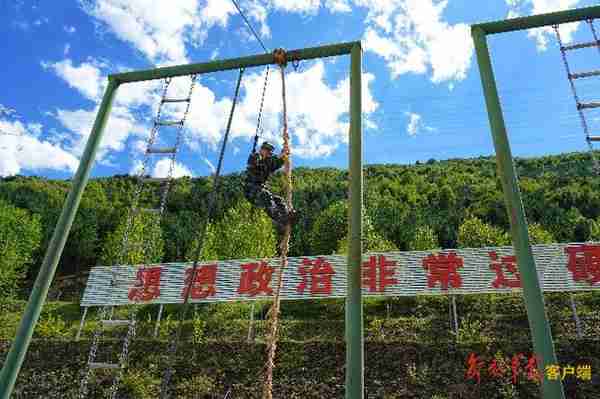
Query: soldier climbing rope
x=280 y=57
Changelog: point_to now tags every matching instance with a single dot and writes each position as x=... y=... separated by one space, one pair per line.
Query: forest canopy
x=438 y=204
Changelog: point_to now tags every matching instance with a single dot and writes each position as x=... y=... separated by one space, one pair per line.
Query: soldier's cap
x=267 y=146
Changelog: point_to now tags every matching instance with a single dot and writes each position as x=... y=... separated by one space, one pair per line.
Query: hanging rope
x=164 y=389
x=280 y=58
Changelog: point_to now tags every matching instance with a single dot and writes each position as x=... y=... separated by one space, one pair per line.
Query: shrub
x=198 y=334
x=195 y=386
x=52 y=326
x=424 y=238
x=140 y=384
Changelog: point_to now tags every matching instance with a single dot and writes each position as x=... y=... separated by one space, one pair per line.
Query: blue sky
x=422 y=94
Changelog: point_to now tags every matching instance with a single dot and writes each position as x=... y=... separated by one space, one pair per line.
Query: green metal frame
x=534 y=299
x=354 y=333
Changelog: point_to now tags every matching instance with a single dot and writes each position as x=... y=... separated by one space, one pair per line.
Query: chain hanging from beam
x=133 y=213
x=580 y=107
x=260 y=110
x=164 y=389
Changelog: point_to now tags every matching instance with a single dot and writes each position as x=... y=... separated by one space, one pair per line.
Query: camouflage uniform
x=257 y=173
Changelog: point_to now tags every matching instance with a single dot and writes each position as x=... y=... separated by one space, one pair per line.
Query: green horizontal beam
x=537 y=21
x=234 y=63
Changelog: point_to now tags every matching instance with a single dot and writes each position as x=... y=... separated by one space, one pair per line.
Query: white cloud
x=259 y=13
x=317 y=126
x=416 y=125
x=412 y=37
x=217 y=12
x=4 y=110
x=136 y=167
x=85 y=77
x=66 y=49
x=160 y=29
x=23 y=150
x=120 y=126
x=139 y=146
x=139 y=93
x=161 y=32
x=161 y=169
x=413 y=124
x=301 y=6
x=543 y=35
x=338 y=5
x=208 y=116
x=35 y=128
x=125 y=119
x=70 y=29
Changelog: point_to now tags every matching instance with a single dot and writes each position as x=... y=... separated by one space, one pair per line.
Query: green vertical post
x=534 y=299
x=354 y=315
x=19 y=346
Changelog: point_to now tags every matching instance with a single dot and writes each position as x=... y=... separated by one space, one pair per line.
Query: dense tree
x=244 y=232
x=330 y=226
x=41 y=197
x=569 y=225
x=474 y=233
x=538 y=235
x=459 y=200
x=372 y=241
x=144 y=243
x=424 y=238
x=179 y=230
x=20 y=236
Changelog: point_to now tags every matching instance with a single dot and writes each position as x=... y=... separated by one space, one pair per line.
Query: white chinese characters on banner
x=560 y=267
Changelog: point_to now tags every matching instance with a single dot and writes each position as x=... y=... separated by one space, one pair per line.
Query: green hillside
x=411 y=350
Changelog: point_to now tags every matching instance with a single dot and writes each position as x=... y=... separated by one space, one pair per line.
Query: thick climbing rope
x=280 y=58
x=164 y=389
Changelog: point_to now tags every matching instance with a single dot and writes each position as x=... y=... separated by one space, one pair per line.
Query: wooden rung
x=111 y=366
x=593 y=138
x=584 y=74
x=116 y=322
x=155 y=179
x=152 y=210
x=593 y=104
x=580 y=45
x=169 y=123
x=176 y=100
x=165 y=150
